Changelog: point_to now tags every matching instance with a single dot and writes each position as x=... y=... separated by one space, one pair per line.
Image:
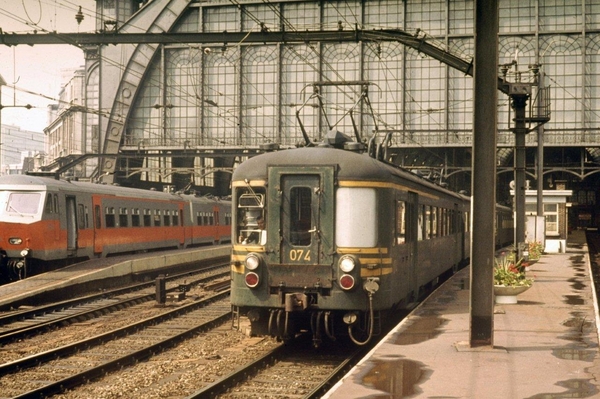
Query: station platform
x=78 y=276
x=545 y=346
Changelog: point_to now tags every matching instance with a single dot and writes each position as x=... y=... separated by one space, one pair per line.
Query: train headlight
x=15 y=240
x=347 y=263
x=25 y=252
x=252 y=261
x=251 y=279
x=347 y=282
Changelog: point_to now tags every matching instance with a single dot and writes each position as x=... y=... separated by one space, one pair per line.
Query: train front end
x=21 y=226
x=301 y=243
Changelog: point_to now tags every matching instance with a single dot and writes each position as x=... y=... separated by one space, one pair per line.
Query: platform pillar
x=483 y=180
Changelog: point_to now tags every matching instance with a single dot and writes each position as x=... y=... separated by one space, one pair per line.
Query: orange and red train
x=46 y=223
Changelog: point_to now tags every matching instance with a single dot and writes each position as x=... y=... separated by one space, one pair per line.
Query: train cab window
x=109 y=217
x=251 y=216
x=157 y=214
x=167 y=218
x=123 y=219
x=147 y=218
x=400 y=222
x=135 y=217
x=23 y=203
x=352 y=231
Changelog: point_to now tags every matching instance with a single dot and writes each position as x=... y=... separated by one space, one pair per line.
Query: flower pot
x=508 y=294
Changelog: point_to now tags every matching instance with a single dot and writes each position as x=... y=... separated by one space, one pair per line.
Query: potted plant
x=509 y=280
x=535 y=251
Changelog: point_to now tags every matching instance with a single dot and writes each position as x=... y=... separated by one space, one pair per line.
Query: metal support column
x=483 y=181
x=518 y=103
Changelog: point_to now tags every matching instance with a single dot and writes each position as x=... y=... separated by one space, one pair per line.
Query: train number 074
x=300 y=255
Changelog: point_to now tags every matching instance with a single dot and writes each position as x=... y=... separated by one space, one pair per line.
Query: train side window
x=55 y=203
x=147 y=218
x=49 y=208
x=167 y=218
x=400 y=222
x=205 y=220
x=157 y=217
x=135 y=217
x=81 y=216
x=421 y=222
x=434 y=221
x=211 y=220
x=109 y=216
x=176 y=218
x=123 y=222
x=97 y=216
x=198 y=219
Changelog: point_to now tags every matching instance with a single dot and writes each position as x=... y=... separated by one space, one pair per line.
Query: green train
x=327 y=240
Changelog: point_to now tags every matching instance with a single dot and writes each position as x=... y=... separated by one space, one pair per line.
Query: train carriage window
x=147 y=218
x=157 y=214
x=23 y=203
x=300 y=215
x=176 y=218
x=400 y=222
x=49 y=208
x=205 y=220
x=211 y=220
x=167 y=218
x=81 y=216
x=198 y=219
x=434 y=221
x=123 y=218
x=135 y=217
x=109 y=216
x=426 y=222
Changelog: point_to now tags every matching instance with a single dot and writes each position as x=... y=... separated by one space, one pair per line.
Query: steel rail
x=44 y=357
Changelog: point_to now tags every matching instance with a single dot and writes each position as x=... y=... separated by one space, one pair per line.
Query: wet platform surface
x=545 y=346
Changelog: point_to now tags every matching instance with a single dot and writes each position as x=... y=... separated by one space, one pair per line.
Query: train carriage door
x=71 y=225
x=305 y=200
x=413 y=229
x=97 y=204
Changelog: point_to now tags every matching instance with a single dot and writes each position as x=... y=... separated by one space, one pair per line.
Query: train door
x=97 y=204
x=304 y=199
x=71 y=225
x=216 y=235
x=413 y=226
x=459 y=234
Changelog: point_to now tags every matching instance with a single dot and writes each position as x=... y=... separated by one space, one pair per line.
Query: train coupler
x=296 y=301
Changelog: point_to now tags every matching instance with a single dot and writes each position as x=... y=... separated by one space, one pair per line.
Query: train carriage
x=325 y=236
x=46 y=223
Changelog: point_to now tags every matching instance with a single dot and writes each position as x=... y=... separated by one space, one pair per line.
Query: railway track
x=21 y=324
x=68 y=366
x=287 y=371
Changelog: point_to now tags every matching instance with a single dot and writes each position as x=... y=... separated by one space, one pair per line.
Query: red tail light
x=252 y=280
x=346 y=282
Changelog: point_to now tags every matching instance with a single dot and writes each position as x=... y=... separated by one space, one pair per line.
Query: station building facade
x=184 y=114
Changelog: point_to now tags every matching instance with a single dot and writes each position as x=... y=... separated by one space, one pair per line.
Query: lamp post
x=2 y=83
